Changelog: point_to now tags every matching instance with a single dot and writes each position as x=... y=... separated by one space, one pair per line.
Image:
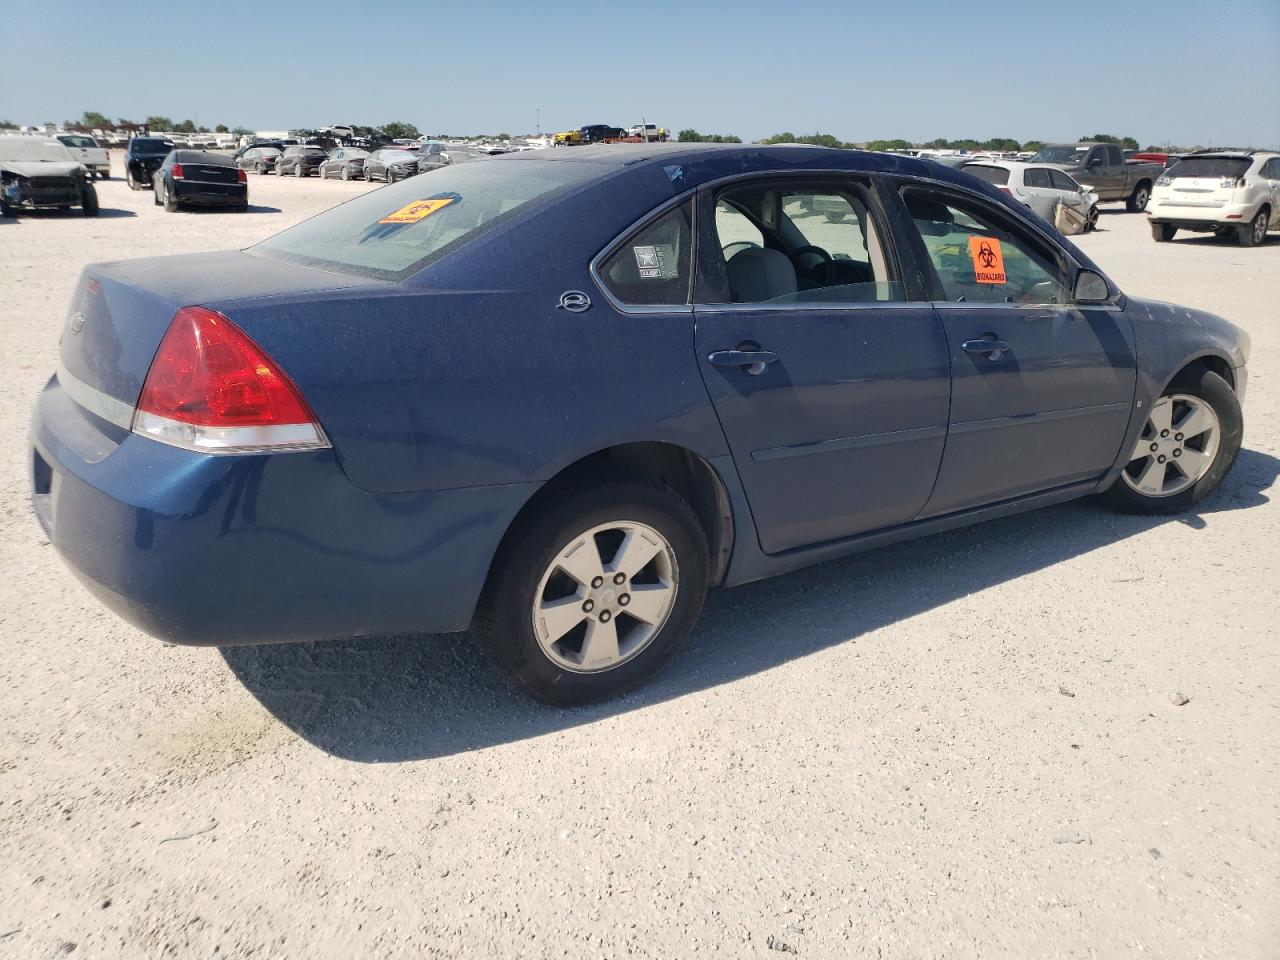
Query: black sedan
x=142 y=157
x=300 y=160
x=346 y=163
x=258 y=159
x=200 y=179
x=390 y=164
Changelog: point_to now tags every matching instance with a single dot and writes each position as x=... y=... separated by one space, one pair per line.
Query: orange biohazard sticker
x=418 y=210
x=988 y=260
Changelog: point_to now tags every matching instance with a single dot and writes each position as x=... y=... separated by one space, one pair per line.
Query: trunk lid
x=210 y=172
x=121 y=311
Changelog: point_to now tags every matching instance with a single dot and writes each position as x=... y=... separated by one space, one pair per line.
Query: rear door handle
x=748 y=361
x=994 y=349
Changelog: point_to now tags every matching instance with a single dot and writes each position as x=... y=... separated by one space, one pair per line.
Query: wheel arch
x=687 y=472
x=1213 y=362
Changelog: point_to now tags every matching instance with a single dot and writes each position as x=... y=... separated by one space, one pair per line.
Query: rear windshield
x=997 y=175
x=1209 y=167
x=317 y=150
x=208 y=159
x=1065 y=155
x=397 y=230
x=145 y=145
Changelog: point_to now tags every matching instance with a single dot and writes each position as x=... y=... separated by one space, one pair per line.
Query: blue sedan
x=556 y=397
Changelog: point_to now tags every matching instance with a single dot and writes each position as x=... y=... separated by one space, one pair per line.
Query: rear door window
x=1037 y=178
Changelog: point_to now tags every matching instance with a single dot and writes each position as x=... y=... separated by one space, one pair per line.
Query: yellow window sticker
x=418 y=210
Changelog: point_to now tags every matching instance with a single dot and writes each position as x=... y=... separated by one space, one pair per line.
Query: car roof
x=21 y=139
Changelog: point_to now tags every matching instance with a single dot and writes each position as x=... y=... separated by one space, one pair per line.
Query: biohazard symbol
x=988 y=260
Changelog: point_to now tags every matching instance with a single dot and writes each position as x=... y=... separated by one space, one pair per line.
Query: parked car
x=566 y=138
x=1038 y=187
x=1102 y=168
x=213 y=467
x=280 y=145
x=92 y=156
x=142 y=158
x=1233 y=193
x=300 y=160
x=41 y=174
x=390 y=164
x=196 y=178
x=431 y=155
x=595 y=132
x=346 y=163
x=258 y=159
x=648 y=131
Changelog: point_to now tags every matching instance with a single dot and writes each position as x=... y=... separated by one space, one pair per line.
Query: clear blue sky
x=1187 y=72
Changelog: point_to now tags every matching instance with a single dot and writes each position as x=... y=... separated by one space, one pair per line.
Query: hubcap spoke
x=637 y=549
x=1151 y=479
x=1194 y=422
x=649 y=602
x=560 y=616
x=582 y=561
x=600 y=647
x=1141 y=449
x=1162 y=414
x=1193 y=463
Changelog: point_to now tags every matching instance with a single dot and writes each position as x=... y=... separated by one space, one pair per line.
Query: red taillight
x=211 y=388
x=1005 y=190
x=176 y=170
x=241 y=176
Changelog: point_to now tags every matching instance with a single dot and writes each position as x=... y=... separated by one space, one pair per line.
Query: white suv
x=1231 y=192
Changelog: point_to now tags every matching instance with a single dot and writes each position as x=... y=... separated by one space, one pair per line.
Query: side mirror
x=1090 y=288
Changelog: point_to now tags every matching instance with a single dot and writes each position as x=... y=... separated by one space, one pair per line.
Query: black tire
x=391 y=176
x=89 y=201
x=504 y=625
x=1217 y=393
x=259 y=169
x=128 y=177
x=170 y=201
x=155 y=195
x=1163 y=232
x=104 y=174
x=1254 y=233
x=1091 y=219
x=1138 y=200
x=7 y=209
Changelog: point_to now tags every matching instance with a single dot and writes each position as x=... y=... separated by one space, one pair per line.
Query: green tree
x=889 y=144
x=221 y=128
x=186 y=126
x=159 y=123
x=998 y=144
x=241 y=131
x=689 y=136
x=398 y=130
x=8 y=125
x=693 y=136
x=1035 y=146
x=815 y=139
x=1126 y=143
x=93 y=119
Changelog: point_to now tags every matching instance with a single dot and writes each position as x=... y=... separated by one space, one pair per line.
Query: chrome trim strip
x=282 y=438
x=848 y=443
x=973 y=426
x=94 y=400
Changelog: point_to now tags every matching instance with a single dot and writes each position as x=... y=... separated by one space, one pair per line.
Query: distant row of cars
x=344 y=163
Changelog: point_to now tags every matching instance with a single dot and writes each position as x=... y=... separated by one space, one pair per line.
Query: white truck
x=85 y=149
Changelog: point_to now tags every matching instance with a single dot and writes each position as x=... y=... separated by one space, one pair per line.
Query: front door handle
x=748 y=361
x=993 y=349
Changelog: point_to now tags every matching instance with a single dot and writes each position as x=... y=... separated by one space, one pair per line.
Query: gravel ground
x=967 y=746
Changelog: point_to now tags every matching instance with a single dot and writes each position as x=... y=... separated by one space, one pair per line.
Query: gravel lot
x=966 y=746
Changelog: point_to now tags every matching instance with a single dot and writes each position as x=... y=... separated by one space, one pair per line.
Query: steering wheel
x=821 y=280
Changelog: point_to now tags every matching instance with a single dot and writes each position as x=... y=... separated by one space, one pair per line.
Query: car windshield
x=1209 y=167
x=996 y=175
x=397 y=230
x=34 y=151
x=319 y=151
x=74 y=141
x=1064 y=155
x=148 y=146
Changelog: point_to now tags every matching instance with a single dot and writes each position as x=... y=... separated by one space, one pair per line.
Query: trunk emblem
x=575 y=301
x=77 y=322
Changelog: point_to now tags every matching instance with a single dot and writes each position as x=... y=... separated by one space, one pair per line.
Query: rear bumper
x=211 y=194
x=1190 y=217
x=208 y=550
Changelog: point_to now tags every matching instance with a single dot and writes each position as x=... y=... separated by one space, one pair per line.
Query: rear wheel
x=170 y=201
x=1254 y=232
x=1186 y=447
x=104 y=174
x=258 y=169
x=1137 y=201
x=1163 y=232
x=595 y=592
x=346 y=172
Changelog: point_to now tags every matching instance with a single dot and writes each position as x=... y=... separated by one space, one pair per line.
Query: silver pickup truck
x=1102 y=168
x=85 y=149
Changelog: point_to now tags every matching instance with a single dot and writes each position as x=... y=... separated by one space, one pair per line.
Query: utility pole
x=538 y=111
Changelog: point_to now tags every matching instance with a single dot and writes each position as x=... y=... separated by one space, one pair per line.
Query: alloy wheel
x=1176 y=448
x=1260 y=227
x=605 y=595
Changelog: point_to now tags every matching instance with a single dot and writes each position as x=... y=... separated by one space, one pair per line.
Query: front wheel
x=89 y=201
x=346 y=172
x=1186 y=447
x=593 y=593
x=1137 y=201
x=128 y=178
x=1091 y=219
